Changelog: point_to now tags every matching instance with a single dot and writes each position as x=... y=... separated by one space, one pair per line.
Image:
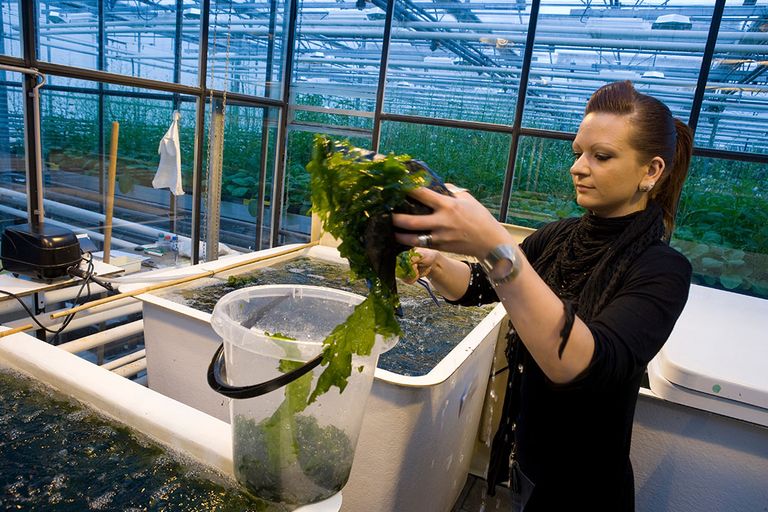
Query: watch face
x=502 y=269
x=500 y=264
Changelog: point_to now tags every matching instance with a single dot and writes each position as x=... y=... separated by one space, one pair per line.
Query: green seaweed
x=405 y=269
x=349 y=189
x=322 y=455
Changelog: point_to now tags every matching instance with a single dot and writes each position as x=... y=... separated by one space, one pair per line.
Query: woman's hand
x=422 y=262
x=457 y=224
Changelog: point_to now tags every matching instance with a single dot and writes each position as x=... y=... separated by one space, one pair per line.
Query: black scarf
x=584 y=266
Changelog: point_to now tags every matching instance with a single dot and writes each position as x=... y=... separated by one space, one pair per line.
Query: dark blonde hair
x=655 y=132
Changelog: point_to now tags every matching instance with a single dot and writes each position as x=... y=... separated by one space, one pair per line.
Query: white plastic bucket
x=281 y=452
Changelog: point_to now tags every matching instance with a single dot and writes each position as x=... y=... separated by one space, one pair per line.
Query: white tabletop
x=23 y=285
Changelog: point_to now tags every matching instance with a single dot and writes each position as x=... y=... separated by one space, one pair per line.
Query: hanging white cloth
x=168 y=173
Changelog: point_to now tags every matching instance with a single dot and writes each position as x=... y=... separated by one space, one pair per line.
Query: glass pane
x=542 y=190
x=10 y=28
x=457 y=60
x=656 y=45
x=13 y=173
x=338 y=54
x=154 y=40
x=331 y=119
x=248 y=133
x=476 y=160
x=735 y=110
x=77 y=127
x=722 y=225
x=245 y=46
x=296 y=221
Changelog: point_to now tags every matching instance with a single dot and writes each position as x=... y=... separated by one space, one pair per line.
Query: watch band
x=501 y=264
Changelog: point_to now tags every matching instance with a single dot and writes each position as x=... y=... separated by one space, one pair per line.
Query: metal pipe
x=614 y=43
x=197 y=171
x=383 y=66
x=17 y=69
x=278 y=181
x=122 y=361
x=102 y=338
x=706 y=65
x=31 y=100
x=265 y=122
x=517 y=124
x=130 y=28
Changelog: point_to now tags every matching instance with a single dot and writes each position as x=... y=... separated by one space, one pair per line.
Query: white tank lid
x=719 y=347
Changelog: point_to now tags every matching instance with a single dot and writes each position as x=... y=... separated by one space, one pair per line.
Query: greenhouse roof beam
x=651 y=13
x=413 y=12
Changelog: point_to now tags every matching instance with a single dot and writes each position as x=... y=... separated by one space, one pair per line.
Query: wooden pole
x=15 y=330
x=173 y=282
x=111 y=190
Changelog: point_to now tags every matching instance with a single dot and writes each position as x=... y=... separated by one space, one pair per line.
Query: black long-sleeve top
x=573 y=440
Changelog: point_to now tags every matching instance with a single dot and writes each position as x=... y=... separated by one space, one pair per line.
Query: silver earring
x=646 y=187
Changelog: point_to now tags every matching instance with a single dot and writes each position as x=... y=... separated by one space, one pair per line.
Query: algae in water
x=311 y=467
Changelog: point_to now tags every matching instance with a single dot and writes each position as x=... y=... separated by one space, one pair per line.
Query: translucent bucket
x=283 y=453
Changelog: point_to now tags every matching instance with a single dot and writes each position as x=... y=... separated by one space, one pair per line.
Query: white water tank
x=715 y=358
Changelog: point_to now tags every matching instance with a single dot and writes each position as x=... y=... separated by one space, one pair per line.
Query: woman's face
x=607 y=172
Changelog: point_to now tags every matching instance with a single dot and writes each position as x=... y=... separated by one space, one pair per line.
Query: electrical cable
x=86 y=275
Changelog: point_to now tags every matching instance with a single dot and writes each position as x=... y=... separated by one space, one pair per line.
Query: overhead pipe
x=422 y=26
x=630 y=42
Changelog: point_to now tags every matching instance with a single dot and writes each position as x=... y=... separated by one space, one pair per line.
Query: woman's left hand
x=457 y=224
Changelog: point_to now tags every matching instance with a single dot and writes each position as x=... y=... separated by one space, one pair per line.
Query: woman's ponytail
x=668 y=191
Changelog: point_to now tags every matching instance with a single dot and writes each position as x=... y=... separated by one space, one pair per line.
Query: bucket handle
x=217 y=368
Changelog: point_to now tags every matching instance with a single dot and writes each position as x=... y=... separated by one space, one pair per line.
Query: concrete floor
x=473 y=497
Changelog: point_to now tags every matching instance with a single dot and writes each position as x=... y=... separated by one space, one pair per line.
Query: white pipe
x=126 y=306
x=96 y=318
x=11 y=305
x=50 y=297
x=444 y=27
x=103 y=337
x=69 y=293
x=92 y=234
x=79 y=213
x=117 y=363
x=26 y=71
x=132 y=368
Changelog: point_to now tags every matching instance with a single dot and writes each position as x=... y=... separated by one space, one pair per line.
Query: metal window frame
x=201 y=93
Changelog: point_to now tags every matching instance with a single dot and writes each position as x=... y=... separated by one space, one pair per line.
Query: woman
x=591 y=299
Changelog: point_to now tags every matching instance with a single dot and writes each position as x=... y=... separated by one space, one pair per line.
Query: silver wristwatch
x=501 y=264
